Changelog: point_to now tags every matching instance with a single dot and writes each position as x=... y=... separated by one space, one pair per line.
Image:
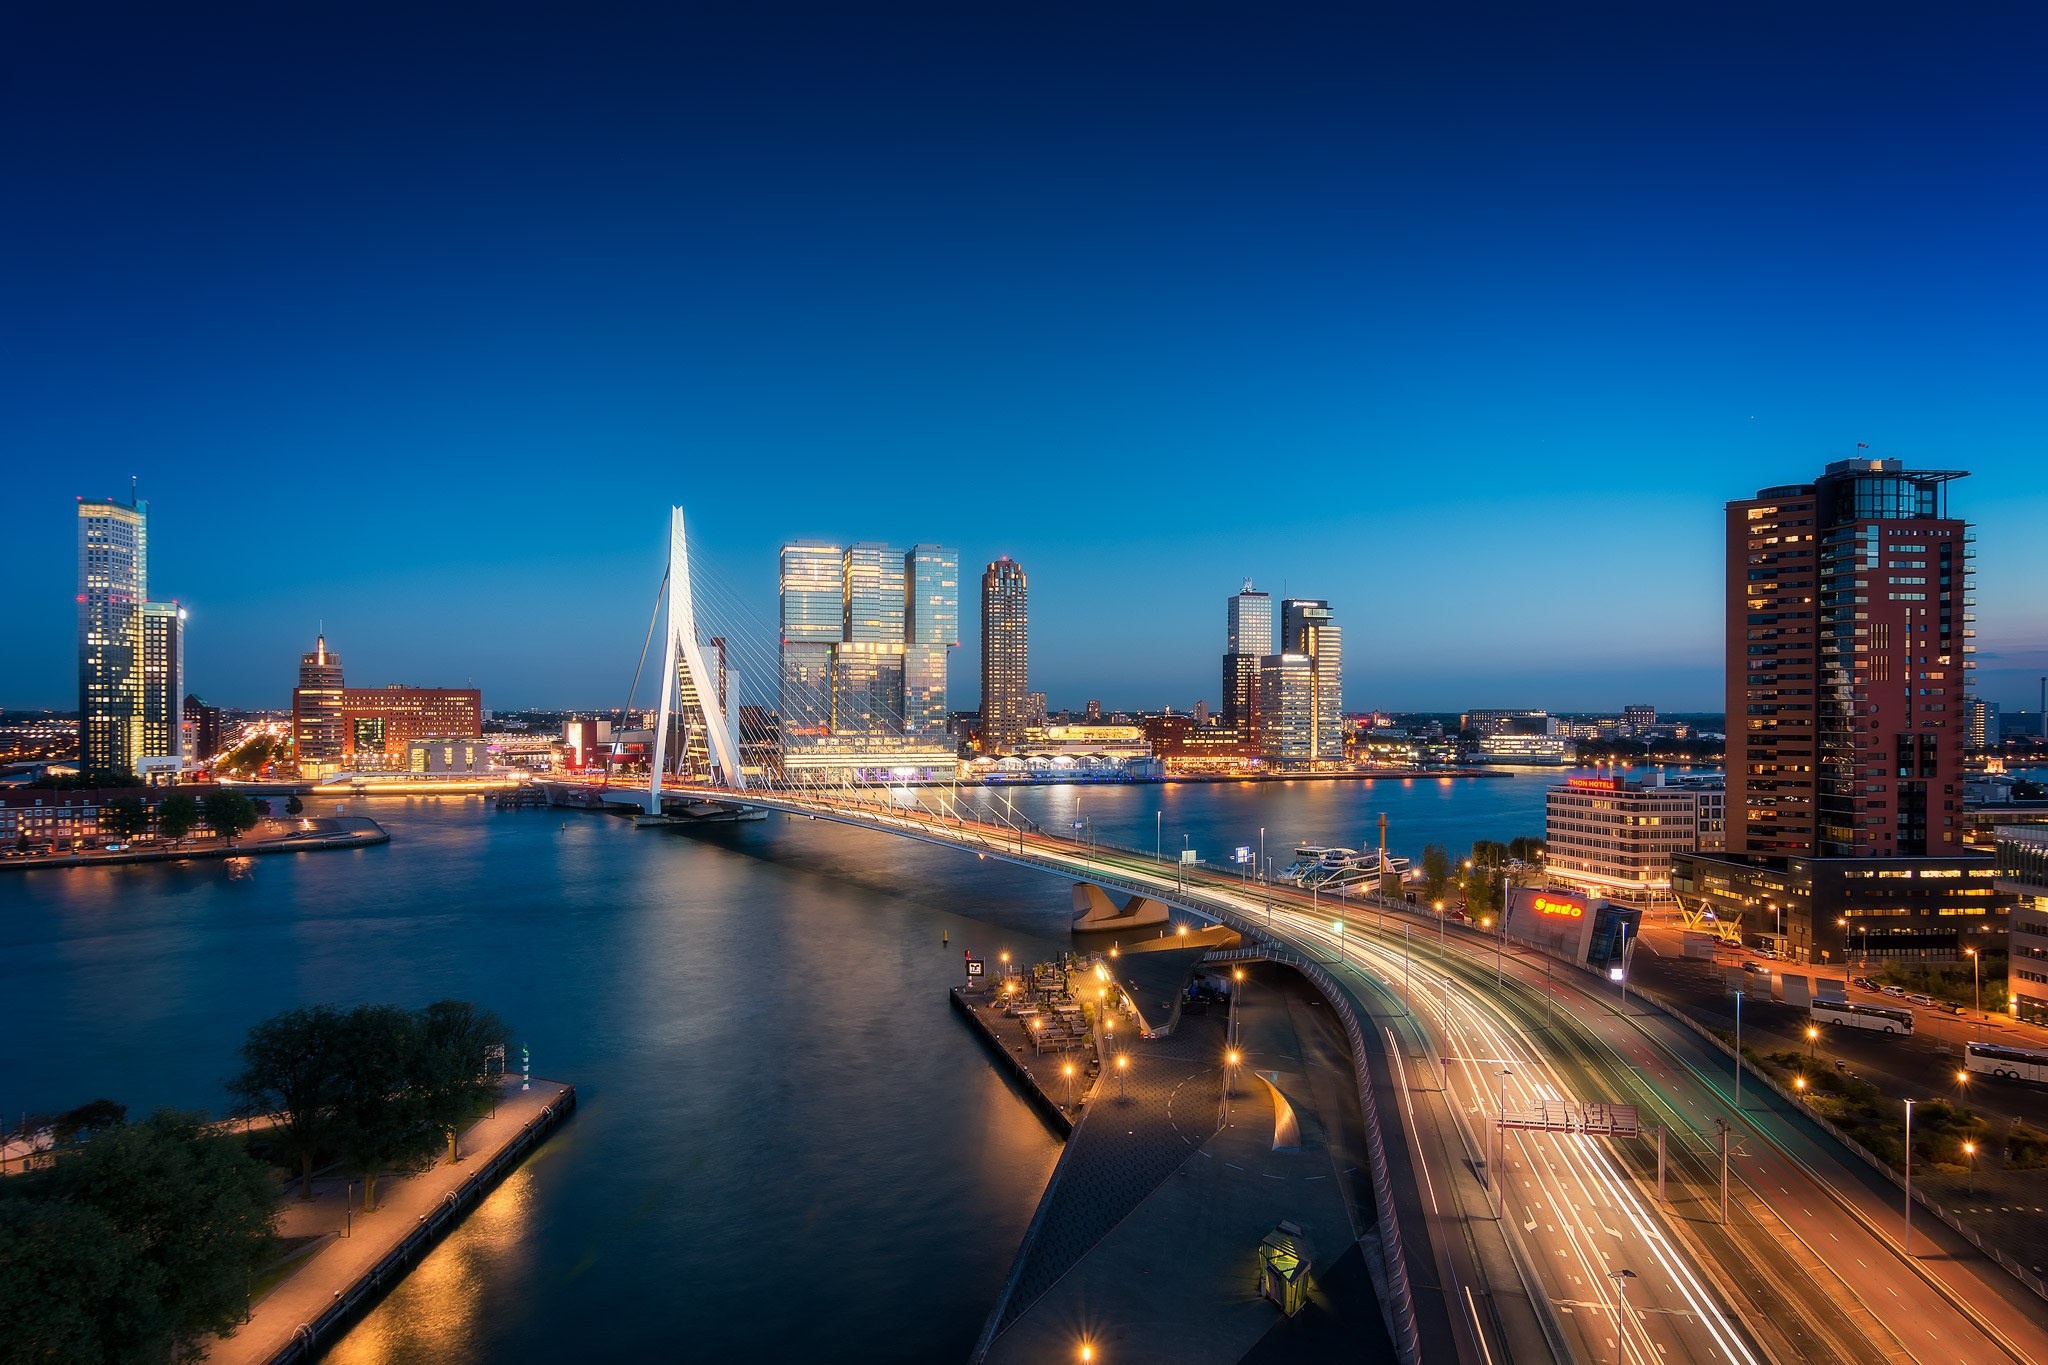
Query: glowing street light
x=1068 y=1071
x=1337 y=928
x=1123 y=1064
x=1812 y=1041
x=1087 y=1353
x=1970 y=1151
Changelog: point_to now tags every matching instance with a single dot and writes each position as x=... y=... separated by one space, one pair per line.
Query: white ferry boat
x=1326 y=868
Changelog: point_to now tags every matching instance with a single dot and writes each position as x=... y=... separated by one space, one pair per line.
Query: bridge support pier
x=1094 y=911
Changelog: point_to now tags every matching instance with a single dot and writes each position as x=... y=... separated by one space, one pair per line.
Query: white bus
x=2006 y=1063
x=1878 y=1018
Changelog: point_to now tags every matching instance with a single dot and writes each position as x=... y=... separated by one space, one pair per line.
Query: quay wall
x=1048 y=1109
x=313 y=1339
x=362 y=838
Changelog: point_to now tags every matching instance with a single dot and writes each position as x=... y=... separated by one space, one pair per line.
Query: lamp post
x=1067 y=1069
x=1500 y=1117
x=1977 y=985
x=1738 y=1049
x=1123 y=1065
x=1337 y=928
x=1812 y=1042
x=1621 y=1279
x=1909 y=1178
x=1970 y=1151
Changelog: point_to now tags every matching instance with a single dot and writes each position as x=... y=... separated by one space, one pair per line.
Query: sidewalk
x=403 y=1206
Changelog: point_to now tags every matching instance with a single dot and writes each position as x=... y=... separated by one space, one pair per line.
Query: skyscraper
x=1308 y=628
x=1005 y=620
x=1847 y=664
x=162 y=692
x=1249 y=640
x=865 y=630
x=317 y=705
x=113 y=583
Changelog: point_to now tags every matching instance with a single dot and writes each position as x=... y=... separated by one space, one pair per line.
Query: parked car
x=1864 y=983
x=1921 y=999
x=1893 y=990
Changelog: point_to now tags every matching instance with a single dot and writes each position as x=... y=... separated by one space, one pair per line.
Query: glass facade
x=163 y=680
x=865 y=635
x=113 y=584
x=1005 y=646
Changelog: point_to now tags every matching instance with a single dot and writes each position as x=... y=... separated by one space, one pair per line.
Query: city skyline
x=1592 y=333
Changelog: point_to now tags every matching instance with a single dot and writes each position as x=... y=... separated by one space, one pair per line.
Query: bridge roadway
x=1808 y=1267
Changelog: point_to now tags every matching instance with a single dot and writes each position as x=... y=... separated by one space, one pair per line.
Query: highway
x=1809 y=1265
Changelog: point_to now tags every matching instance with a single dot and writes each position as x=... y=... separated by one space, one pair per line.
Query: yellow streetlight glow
x=1233 y=1057
x=1962 y=1078
x=1087 y=1352
x=1799 y=1083
x=1123 y=1060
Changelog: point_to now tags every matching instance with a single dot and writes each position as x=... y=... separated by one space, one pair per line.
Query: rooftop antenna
x=134 y=491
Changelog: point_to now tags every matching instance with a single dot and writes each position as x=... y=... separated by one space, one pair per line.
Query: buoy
x=945 y=936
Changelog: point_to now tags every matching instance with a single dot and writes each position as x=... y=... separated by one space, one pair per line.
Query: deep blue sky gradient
x=416 y=318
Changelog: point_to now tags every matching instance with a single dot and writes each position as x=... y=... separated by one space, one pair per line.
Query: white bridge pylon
x=682 y=643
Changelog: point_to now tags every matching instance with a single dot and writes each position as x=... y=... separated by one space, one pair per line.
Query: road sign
x=1080 y=824
x=1188 y=855
x=975 y=966
x=1243 y=855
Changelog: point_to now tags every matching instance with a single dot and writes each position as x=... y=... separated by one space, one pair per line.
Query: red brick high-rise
x=1848 y=652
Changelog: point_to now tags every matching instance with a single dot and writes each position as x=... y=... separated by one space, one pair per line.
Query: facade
x=2023 y=872
x=1005 y=621
x=317 y=734
x=38 y=819
x=1847 y=663
x=163 y=687
x=865 y=631
x=1638 y=720
x=1034 y=710
x=113 y=584
x=1248 y=640
x=1542 y=751
x=1572 y=926
x=1832 y=910
x=378 y=724
x=468 y=757
x=1286 y=716
x=1487 y=723
x=1616 y=837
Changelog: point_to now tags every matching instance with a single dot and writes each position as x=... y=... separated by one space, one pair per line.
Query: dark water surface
x=787 y=1146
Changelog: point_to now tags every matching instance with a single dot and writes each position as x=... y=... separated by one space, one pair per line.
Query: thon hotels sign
x=1551 y=921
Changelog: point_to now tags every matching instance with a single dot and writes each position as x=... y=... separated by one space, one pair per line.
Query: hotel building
x=1005 y=646
x=1616 y=838
x=2023 y=872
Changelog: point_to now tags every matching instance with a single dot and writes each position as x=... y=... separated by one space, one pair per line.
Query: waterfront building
x=1309 y=629
x=161 y=746
x=1094 y=711
x=1005 y=647
x=1248 y=640
x=2022 y=863
x=1980 y=725
x=1285 y=720
x=1518 y=750
x=42 y=820
x=1847 y=663
x=1638 y=720
x=113 y=584
x=379 y=723
x=1616 y=837
x=1034 y=709
x=317 y=706
x=1486 y=723
x=470 y=757
x=865 y=635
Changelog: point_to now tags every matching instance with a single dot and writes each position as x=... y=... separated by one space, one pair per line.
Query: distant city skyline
x=1366 y=304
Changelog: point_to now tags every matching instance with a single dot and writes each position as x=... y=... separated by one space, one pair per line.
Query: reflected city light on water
x=434 y=1311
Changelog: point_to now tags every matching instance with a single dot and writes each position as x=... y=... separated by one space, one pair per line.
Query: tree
x=1436 y=871
x=1488 y=853
x=1526 y=848
x=456 y=1039
x=176 y=816
x=291 y=1069
x=294 y=806
x=72 y=1287
x=229 y=813
x=382 y=1119
x=198 y=1210
x=94 y=1116
x=126 y=816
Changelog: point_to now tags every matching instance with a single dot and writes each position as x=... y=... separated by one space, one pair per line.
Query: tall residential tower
x=1249 y=639
x=131 y=651
x=1005 y=619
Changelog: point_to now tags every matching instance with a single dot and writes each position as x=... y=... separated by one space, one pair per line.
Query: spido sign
x=1564 y=908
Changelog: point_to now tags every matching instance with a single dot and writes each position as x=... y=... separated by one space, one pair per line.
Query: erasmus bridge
x=1714 y=1223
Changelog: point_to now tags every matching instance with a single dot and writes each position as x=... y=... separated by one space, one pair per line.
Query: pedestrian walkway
x=356 y=1242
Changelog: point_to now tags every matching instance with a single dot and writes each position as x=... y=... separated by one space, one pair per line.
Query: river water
x=787 y=1146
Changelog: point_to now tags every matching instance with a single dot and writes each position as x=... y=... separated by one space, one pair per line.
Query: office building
x=865 y=635
x=1285 y=719
x=1248 y=640
x=379 y=723
x=1034 y=710
x=1638 y=720
x=1616 y=837
x=113 y=584
x=1309 y=630
x=2022 y=864
x=1486 y=724
x=162 y=693
x=317 y=706
x=1005 y=652
x=1848 y=660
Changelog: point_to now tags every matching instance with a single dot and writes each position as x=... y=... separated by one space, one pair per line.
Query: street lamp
x=1970 y=1151
x=1500 y=1121
x=1123 y=1064
x=1621 y=1279
x=1977 y=984
x=1068 y=1070
x=1909 y=1178
x=1337 y=928
x=1799 y=1084
x=1738 y=1049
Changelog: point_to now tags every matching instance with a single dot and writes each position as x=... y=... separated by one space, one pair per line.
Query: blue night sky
x=416 y=318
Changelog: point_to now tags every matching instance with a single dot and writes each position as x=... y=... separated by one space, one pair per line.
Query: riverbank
x=303 y=836
x=361 y=1256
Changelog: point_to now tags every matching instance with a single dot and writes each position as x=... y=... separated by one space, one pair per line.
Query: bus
x=2006 y=1063
x=1878 y=1018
